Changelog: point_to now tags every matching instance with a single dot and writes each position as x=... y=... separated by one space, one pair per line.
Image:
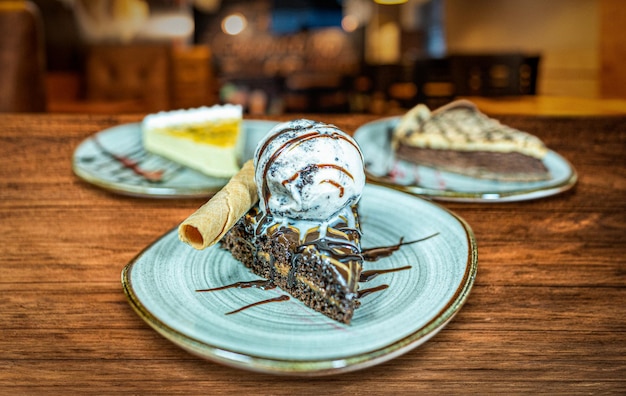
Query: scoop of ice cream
x=308 y=170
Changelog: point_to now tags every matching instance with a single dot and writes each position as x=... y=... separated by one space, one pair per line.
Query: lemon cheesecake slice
x=207 y=139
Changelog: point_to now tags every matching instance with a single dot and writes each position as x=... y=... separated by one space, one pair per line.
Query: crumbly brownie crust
x=302 y=270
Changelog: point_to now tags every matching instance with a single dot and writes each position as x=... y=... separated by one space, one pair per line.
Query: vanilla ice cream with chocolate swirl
x=308 y=171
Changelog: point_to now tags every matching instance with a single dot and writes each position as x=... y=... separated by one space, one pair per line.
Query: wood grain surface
x=547 y=313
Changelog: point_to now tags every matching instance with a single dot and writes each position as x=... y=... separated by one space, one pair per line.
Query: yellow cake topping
x=222 y=133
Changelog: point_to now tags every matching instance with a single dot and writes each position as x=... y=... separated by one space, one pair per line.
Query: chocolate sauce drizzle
x=376 y=253
x=371 y=254
x=153 y=176
x=317 y=166
x=263 y=284
x=366 y=292
x=367 y=276
x=280 y=298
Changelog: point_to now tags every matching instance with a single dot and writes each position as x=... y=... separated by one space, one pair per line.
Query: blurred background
x=283 y=56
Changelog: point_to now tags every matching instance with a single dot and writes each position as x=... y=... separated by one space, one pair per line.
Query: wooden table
x=550 y=105
x=547 y=312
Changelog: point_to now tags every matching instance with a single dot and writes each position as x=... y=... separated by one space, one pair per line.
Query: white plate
x=289 y=338
x=97 y=165
x=382 y=168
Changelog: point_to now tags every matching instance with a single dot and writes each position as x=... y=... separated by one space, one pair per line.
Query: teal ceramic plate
x=110 y=160
x=289 y=338
x=382 y=168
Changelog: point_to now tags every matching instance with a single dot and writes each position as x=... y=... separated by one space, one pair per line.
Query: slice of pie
x=459 y=138
x=207 y=139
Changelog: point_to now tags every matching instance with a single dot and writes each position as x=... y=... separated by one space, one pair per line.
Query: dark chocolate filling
x=482 y=164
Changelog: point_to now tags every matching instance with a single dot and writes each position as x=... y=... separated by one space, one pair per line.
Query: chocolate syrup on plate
x=283 y=297
x=371 y=254
x=264 y=284
x=365 y=292
x=153 y=176
x=376 y=253
x=367 y=276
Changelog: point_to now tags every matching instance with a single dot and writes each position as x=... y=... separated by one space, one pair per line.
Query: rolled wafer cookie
x=207 y=225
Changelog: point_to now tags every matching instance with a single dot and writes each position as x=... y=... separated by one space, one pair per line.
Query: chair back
x=22 y=58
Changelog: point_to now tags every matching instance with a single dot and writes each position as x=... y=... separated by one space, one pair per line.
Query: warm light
x=390 y=2
x=349 y=23
x=234 y=24
x=169 y=26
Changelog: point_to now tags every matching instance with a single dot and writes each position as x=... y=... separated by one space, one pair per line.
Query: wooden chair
x=134 y=73
x=22 y=58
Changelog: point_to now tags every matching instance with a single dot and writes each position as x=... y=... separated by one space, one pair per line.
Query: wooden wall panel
x=612 y=49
